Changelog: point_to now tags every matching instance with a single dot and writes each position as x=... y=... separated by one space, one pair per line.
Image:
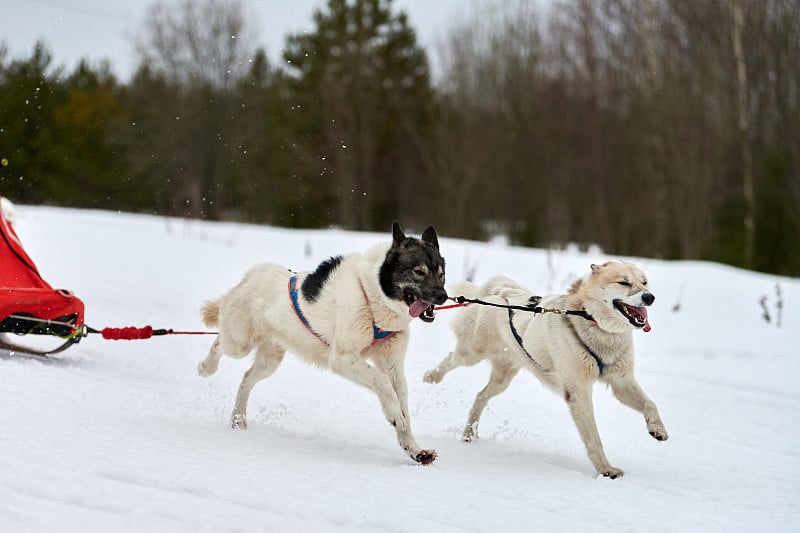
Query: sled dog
x=568 y=353
x=351 y=315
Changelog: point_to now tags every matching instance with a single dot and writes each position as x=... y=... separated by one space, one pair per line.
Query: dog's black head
x=413 y=272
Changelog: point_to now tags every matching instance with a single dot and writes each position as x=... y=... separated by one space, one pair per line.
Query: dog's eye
x=419 y=272
x=625 y=283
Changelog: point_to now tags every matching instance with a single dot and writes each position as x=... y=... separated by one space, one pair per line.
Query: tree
x=649 y=128
x=490 y=144
x=362 y=90
x=197 y=42
x=743 y=126
x=29 y=94
x=196 y=51
x=56 y=131
x=92 y=155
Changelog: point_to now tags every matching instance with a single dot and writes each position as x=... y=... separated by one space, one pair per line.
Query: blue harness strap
x=298 y=312
x=378 y=334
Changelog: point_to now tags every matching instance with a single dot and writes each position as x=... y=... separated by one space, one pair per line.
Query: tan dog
x=568 y=353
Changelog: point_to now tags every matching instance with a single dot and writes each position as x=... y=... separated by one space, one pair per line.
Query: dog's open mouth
x=418 y=308
x=637 y=316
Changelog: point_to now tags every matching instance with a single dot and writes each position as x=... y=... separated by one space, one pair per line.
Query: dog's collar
x=378 y=334
x=583 y=314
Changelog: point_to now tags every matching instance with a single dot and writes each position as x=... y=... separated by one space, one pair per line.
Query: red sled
x=28 y=304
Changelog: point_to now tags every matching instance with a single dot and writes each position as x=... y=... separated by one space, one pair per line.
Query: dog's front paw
x=657 y=431
x=238 y=421
x=432 y=376
x=611 y=472
x=425 y=457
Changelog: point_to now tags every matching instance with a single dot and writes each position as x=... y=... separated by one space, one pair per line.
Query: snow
x=125 y=436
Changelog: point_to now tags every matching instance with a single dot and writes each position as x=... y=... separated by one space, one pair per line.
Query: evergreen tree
x=29 y=95
x=85 y=130
x=361 y=86
x=57 y=134
x=194 y=52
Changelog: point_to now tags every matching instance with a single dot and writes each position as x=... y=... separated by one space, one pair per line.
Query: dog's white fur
x=257 y=315
x=560 y=358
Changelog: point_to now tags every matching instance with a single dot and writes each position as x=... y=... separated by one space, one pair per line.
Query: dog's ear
x=429 y=236
x=596 y=268
x=397 y=233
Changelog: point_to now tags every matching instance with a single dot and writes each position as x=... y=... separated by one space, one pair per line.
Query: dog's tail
x=210 y=313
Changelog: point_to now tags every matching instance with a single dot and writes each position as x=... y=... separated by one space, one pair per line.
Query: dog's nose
x=648 y=298
x=439 y=296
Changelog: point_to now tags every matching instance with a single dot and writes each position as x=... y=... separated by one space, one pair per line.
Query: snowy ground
x=125 y=436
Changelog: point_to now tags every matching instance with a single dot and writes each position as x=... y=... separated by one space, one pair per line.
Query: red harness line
x=451 y=306
x=133 y=333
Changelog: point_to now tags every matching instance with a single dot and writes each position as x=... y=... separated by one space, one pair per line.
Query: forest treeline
x=658 y=128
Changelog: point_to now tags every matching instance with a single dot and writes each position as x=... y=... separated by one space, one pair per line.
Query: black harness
x=536 y=309
x=518 y=338
x=531 y=308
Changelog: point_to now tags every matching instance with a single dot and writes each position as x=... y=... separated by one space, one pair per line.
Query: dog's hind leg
x=266 y=361
x=209 y=365
x=499 y=380
x=456 y=358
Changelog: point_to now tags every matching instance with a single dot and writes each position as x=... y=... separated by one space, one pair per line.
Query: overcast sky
x=98 y=30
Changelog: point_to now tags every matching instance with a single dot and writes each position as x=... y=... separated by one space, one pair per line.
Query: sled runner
x=28 y=304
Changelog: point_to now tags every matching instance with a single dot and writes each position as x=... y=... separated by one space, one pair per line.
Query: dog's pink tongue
x=642 y=312
x=417 y=308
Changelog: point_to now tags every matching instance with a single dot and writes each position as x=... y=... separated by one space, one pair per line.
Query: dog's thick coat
x=567 y=353
x=342 y=301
